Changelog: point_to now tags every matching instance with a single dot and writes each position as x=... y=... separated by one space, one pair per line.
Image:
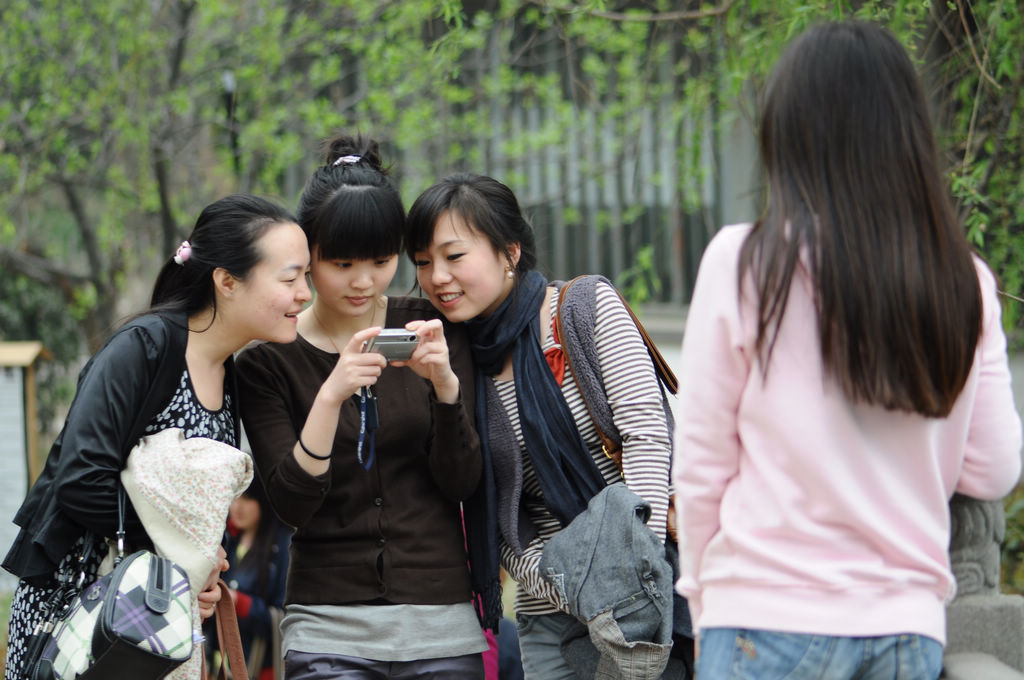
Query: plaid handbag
x=135 y=622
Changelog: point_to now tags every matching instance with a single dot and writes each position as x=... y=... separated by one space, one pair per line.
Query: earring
x=509 y=274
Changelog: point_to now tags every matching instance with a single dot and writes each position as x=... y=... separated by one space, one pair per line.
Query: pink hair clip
x=183 y=253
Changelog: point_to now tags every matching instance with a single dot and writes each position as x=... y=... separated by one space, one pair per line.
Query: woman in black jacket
x=240 y=276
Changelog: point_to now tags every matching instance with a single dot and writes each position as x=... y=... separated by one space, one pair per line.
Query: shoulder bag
x=135 y=622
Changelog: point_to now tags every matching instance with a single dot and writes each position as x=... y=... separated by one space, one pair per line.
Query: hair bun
x=345 y=146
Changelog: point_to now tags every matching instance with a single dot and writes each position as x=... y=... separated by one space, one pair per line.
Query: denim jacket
x=611 y=571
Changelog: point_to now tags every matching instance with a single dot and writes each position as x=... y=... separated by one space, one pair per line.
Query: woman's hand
x=430 y=360
x=210 y=594
x=355 y=368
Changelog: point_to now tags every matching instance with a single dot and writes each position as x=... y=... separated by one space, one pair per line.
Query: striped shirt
x=634 y=396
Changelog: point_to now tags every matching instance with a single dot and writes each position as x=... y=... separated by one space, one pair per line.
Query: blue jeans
x=540 y=639
x=740 y=654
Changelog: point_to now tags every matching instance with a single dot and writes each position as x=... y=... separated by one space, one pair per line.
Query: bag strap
x=666 y=377
x=121 y=501
x=662 y=369
x=228 y=636
x=611 y=448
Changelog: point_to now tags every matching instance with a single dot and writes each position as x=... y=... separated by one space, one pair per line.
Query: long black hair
x=224 y=237
x=349 y=207
x=854 y=183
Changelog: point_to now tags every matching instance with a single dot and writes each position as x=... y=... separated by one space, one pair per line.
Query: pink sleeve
x=992 y=461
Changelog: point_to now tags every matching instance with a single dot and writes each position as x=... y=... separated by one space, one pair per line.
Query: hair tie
x=183 y=253
x=348 y=160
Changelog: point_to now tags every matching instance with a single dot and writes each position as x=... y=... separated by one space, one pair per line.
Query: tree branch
x=89 y=241
x=653 y=17
x=42 y=270
x=185 y=10
x=161 y=162
x=970 y=43
x=999 y=135
x=97 y=324
x=168 y=225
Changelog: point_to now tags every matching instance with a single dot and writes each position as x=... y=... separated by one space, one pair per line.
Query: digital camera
x=396 y=344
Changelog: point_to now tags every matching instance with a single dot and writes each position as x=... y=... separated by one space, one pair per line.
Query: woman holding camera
x=369 y=465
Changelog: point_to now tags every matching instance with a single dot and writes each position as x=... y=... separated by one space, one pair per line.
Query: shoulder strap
x=228 y=637
x=666 y=376
x=665 y=373
x=611 y=448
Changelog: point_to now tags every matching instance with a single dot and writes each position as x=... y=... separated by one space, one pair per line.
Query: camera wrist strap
x=367 y=425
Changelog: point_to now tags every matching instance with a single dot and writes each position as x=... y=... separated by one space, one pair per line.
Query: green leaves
x=98 y=95
x=1013 y=544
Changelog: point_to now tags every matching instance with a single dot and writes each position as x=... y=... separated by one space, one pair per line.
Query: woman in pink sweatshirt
x=844 y=372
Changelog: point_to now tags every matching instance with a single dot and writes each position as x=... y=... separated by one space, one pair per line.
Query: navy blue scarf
x=565 y=469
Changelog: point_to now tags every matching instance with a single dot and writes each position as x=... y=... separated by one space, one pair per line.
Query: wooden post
x=23 y=355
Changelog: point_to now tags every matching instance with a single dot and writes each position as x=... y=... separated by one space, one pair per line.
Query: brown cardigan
x=392 y=533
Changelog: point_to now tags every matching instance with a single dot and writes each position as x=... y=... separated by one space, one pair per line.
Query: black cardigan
x=120 y=390
x=393 y=532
